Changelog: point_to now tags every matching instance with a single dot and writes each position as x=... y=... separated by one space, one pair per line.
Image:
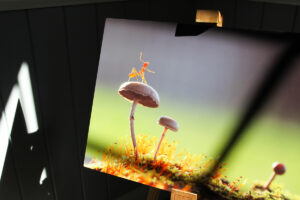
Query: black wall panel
x=84 y=56
x=137 y=9
x=54 y=84
x=296 y=23
x=83 y=45
x=29 y=156
x=204 y=4
x=181 y=11
x=278 y=17
x=9 y=184
x=248 y=15
x=28 y=150
x=158 y=10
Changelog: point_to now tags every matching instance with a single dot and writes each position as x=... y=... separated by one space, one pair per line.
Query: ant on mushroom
x=138 y=93
x=141 y=73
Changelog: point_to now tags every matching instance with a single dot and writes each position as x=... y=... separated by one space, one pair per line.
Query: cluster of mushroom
x=143 y=94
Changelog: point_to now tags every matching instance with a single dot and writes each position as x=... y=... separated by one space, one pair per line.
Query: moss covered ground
x=202 y=130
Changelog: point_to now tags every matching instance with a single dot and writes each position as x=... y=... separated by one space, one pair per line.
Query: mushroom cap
x=140 y=92
x=169 y=123
x=278 y=168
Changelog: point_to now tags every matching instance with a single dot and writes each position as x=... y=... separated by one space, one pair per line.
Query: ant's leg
x=143 y=78
x=150 y=71
x=133 y=73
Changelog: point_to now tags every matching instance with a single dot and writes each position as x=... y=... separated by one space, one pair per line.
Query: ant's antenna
x=141 y=54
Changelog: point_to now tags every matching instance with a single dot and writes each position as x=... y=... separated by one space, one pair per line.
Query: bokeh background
x=205 y=83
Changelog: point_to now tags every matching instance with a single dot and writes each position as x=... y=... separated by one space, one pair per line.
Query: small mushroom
x=168 y=123
x=279 y=169
x=138 y=93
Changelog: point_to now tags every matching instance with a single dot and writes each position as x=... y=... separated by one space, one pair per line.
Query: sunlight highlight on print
x=21 y=91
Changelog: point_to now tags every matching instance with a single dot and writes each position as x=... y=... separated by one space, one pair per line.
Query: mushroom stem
x=162 y=137
x=270 y=181
x=132 y=128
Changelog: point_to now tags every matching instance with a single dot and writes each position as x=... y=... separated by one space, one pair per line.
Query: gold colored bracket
x=182 y=195
x=209 y=16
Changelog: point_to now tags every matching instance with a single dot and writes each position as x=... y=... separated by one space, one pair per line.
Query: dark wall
x=62 y=47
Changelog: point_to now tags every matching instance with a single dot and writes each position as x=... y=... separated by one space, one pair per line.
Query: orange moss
x=179 y=170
